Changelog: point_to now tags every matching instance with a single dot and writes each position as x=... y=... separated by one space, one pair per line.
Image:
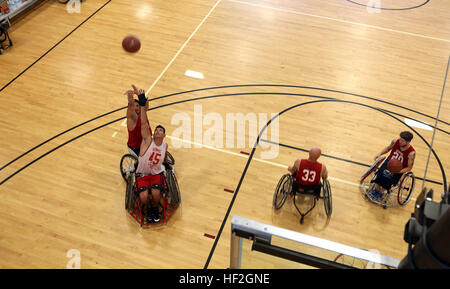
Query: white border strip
x=417 y=124
x=264 y=230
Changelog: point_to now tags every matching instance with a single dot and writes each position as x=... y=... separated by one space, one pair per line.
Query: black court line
x=256 y=145
x=323 y=99
x=389 y=9
x=305 y=87
x=58 y=135
x=253 y=150
x=339 y=159
x=234 y=86
x=48 y=51
x=173 y=103
x=421 y=122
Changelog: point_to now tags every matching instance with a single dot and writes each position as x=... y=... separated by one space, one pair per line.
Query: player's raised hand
x=129 y=93
x=135 y=90
x=142 y=98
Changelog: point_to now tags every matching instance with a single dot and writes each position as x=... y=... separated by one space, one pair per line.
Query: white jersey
x=151 y=162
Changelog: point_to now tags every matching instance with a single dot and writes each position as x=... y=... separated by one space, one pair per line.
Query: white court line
x=342 y=21
x=255 y=159
x=258 y=160
x=182 y=47
x=283 y=10
x=194 y=74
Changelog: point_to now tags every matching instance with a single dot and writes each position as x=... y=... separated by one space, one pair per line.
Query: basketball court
x=332 y=74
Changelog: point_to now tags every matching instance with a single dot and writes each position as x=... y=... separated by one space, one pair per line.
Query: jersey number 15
x=154 y=158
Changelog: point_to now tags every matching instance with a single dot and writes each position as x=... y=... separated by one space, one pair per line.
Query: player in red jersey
x=400 y=149
x=134 y=121
x=308 y=172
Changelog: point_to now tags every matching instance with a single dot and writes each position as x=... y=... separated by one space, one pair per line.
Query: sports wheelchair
x=403 y=188
x=170 y=192
x=286 y=186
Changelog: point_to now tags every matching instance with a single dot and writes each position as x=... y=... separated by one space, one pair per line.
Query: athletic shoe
x=148 y=215
x=376 y=195
x=155 y=214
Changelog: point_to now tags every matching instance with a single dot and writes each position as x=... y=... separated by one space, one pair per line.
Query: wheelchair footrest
x=310 y=209
x=381 y=198
x=165 y=216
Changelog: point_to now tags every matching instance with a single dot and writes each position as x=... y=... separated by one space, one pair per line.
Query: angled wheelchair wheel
x=129 y=194
x=283 y=189
x=172 y=186
x=128 y=164
x=371 y=169
x=406 y=188
x=170 y=159
x=327 y=199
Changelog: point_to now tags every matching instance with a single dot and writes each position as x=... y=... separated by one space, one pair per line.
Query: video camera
x=428 y=230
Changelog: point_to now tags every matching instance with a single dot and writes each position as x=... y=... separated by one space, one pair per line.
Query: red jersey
x=396 y=153
x=309 y=173
x=135 y=135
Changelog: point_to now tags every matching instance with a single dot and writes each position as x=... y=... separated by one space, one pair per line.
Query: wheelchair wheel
x=406 y=188
x=128 y=164
x=172 y=186
x=129 y=194
x=284 y=188
x=327 y=200
x=170 y=159
x=371 y=169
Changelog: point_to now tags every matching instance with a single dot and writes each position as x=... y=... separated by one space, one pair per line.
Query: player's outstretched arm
x=131 y=115
x=145 y=128
x=385 y=150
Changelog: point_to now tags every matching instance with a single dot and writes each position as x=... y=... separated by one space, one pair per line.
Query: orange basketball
x=131 y=43
x=394 y=166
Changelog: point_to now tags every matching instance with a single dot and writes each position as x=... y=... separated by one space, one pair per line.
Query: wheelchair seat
x=306 y=190
x=170 y=192
x=385 y=178
x=287 y=186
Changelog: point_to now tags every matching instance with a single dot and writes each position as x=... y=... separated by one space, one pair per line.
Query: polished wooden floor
x=65 y=69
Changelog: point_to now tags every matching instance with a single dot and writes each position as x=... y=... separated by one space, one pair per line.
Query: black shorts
x=310 y=190
x=385 y=178
x=136 y=150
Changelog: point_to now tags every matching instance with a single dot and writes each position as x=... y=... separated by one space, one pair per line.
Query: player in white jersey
x=153 y=153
